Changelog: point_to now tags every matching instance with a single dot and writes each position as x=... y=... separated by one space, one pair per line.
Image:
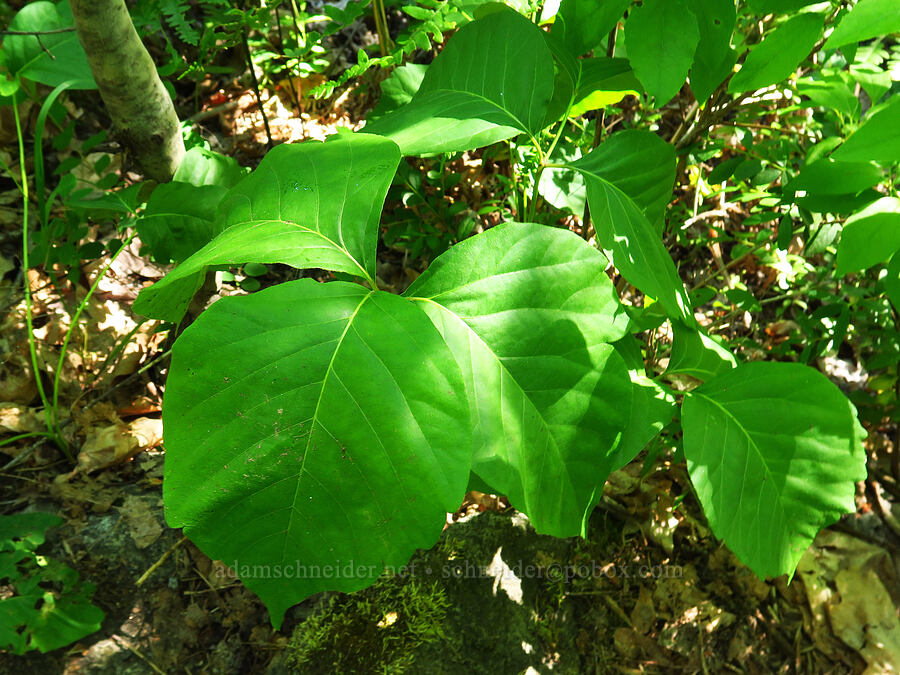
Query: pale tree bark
x=135 y=98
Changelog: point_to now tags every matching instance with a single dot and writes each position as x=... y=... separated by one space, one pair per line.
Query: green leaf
x=308 y=205
x=870 y=236
x=773 y=450
x=779 y=54
x=892 y=280
x=582 y=25
x=696 y=354
x=828 y=177
x=715 y=56
x=661 y=37
x=29 y=57
x=399 y=89
x=830 y=91
x=28 y=527
x=628 y=178
x=300 y=441
x=205 y=167
x=468 y=99
x=530 y=325
x=64 y=620
x=179 y=220
x=776 y=6
x=867 y=19
x=603 y=82
x=652 y=406
x=877 y=139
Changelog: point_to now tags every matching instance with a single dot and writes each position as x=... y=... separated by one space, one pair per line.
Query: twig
x=36 y=33
x=155 y=566
x=255 y=82
x=134 y=651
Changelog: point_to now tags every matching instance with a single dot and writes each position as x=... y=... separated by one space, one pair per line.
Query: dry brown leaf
x=143 y=525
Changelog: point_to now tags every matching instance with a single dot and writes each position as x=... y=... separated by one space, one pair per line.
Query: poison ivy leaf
x=61 y=621
x=714 y=57
x=696 y=354
x=307 y=205
x=399 y=89
x=468 y=99
x=828 y=177
x=582 y=25
x=301 y=442
x=530 y=325
x=831 y=91
x=773 y=450
x=661 y=37
x=179 y=220
x=877 y=139
x=867 y=19
x=779 y=54
x=629 y=177
x=776 y=6
x=870 y=236
x=205 y=167
x=652 y=406
x=603 y=82
x=56 y=57
x=564 y=188
x=892 y=280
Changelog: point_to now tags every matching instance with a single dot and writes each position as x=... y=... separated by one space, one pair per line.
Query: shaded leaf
x=308 y=205
x=773 y=450
x=714 y=57
x=530 y=326
x=877 y=139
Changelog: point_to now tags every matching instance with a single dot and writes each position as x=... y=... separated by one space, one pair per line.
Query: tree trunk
x=137 y=101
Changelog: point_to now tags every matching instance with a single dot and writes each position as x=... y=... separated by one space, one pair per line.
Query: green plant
x=323 y=425
x=43 y=605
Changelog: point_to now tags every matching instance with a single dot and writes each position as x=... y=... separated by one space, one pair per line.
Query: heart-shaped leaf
x=307 y=205
x=773 y=450
x=301 y=446
x=530 y=325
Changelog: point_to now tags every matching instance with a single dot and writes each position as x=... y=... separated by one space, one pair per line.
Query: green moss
x=376 y=630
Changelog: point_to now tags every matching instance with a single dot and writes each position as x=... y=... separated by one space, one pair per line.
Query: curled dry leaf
x=115 y=443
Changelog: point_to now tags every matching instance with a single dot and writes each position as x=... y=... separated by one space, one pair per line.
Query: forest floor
x=649 y=591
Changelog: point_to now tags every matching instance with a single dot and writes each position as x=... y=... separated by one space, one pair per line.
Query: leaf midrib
x=315 y=418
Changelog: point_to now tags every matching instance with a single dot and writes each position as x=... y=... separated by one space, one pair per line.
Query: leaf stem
x=29 y=323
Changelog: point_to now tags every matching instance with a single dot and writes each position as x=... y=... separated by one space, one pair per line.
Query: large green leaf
x=829 y=177
x=56 y=57
x=877 y=139
x=773 y=450
x=307 y=205
x=179 y=220
x=315 y=433
x=530 y=324
x=779 y=54
x=628 y=178
x=493 y=80
x=696 y=354
x=870 y=236
x=205 y=167
x=582 y=25
x=715 y=56
x=661 y=37
x=867 y=19
x=603 y=82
